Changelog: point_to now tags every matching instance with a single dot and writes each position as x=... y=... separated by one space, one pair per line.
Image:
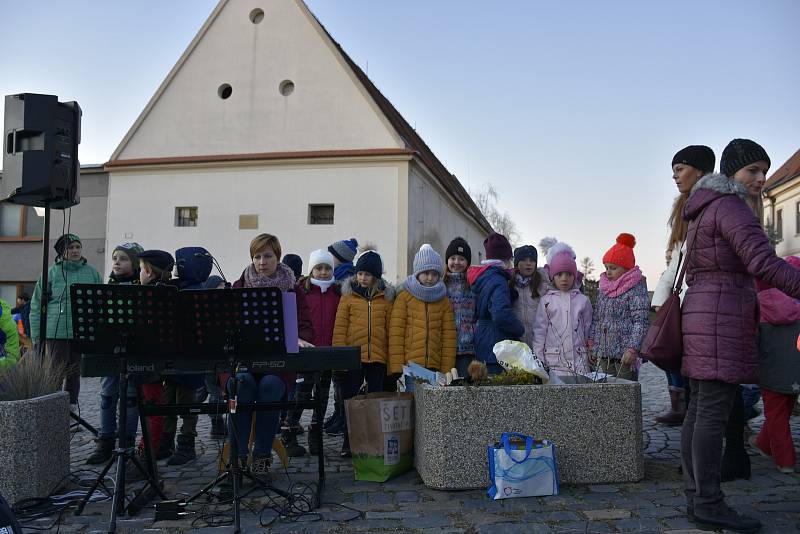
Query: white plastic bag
x=518 y=355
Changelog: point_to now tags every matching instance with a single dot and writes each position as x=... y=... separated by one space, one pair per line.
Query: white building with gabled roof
x=266 y=125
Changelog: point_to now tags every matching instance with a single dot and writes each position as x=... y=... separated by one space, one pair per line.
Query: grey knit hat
x=427 y=259
x=344 y=250
x=132 y=249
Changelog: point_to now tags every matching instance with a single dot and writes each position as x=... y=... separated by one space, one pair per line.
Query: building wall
x=786 y=198
x=328 y=109
x=21 y=261
x=434 y=218
x=142 y=207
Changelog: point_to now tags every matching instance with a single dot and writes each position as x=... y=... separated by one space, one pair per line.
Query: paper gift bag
x=520 y=466
x=381 y=431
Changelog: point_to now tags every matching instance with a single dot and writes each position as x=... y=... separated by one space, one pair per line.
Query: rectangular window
x=186 y=216
x=248 y=222
x=320 y=214
x=20 y=222
x=10 y=290
x=797 y=218
x=779 y=224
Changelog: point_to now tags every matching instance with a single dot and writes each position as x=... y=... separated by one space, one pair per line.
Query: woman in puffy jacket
x=726 y=248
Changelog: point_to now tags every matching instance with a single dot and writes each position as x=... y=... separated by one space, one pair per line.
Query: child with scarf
x=322 y=295
x=622 y=312
x=528 y=285
x=124 y=271
x=422 y=329
x=362 y=319
x=564 y=316
x=779 y=372
x=458 y=257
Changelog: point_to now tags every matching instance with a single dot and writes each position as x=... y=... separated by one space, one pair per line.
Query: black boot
x=166 y=446
x=289 y=438
x=102 y=451
x=725 y=517
x=184 y=453
x=218 y=428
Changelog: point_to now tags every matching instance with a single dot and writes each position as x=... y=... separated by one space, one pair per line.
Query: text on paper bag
x=396 y=415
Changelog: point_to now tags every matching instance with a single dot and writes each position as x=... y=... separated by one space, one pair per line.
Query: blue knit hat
x=427 y=259
x=344 y=251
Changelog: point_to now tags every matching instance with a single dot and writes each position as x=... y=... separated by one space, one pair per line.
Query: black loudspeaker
x=40 y=151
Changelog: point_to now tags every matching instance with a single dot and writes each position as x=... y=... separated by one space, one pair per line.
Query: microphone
x=216 y=264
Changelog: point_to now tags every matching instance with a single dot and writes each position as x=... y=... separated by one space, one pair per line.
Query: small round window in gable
x=256 y=16
x=286 y=87
x=225 y=91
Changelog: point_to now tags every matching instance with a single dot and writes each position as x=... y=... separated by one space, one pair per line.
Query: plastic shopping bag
x=518 y=355
x=520 y=466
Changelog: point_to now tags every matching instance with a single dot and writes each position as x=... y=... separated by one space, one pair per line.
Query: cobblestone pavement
x=405 y=505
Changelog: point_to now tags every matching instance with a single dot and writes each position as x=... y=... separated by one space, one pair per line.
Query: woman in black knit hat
x=688 y=166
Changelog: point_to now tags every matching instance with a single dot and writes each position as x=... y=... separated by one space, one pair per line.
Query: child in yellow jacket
x=362 y=320
x=422 y=329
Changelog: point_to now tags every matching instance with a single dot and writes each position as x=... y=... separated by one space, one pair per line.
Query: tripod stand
x=119 y=320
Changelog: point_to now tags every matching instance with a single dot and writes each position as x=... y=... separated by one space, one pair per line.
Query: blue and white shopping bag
x=520 y=466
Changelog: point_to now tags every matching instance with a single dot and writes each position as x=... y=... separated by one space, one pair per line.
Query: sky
x=572 y=111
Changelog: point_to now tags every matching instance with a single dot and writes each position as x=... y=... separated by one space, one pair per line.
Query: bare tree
x=587 y=267
x=486 y=200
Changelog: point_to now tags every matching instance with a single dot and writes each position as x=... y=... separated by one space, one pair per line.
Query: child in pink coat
x=561 y=328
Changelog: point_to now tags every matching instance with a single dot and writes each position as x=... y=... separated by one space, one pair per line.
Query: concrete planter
x=34 y=445
x=597 y=429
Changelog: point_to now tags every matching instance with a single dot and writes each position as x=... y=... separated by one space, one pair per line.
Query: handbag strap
x=685 y=259
x=507 y=445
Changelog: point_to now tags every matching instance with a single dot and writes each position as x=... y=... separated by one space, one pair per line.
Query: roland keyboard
x=307 y=360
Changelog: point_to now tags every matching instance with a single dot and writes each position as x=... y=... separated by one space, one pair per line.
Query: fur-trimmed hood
x=709 y=188
x=388 y=290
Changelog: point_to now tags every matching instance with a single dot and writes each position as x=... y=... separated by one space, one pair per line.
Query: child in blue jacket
x=494 y=315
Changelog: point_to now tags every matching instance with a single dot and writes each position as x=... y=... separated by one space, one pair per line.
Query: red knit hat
x=497 y=247
x=622 y=252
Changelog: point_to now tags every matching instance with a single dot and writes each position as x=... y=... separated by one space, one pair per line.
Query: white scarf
x=323 y=285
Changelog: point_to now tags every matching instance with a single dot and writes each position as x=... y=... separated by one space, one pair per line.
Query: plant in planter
x=34 y=416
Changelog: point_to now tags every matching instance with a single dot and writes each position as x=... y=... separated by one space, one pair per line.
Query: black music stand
x=123 y=320
x=239 y=323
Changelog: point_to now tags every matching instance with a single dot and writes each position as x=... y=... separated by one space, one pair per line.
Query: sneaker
x=260 y=466
x=786 y=470
x=725 y=517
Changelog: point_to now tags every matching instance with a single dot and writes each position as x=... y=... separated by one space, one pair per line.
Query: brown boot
x=674 y=416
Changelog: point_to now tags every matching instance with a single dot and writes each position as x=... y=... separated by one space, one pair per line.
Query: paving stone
x=604 y=488
x=400 y=514
x=605 y=515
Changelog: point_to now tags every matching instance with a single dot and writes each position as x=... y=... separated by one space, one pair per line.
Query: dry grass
x=32 y=377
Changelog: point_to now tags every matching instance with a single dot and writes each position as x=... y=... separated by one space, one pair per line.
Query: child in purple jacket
x=622 y=311
x=561 y=328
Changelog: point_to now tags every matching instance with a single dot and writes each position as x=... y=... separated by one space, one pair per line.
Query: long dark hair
x=536 y=281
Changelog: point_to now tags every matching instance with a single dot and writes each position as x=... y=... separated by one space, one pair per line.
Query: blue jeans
x=269 y=388
x=109 y=395
x=750 y=396
x=675 y=380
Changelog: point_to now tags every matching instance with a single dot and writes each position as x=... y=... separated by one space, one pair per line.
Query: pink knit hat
x=560 y=258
